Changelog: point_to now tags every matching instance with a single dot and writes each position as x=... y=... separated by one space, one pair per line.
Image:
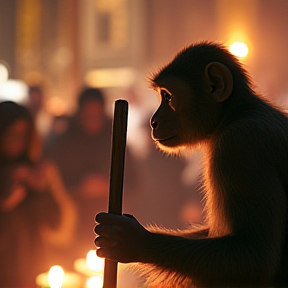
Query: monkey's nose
x=153 y=124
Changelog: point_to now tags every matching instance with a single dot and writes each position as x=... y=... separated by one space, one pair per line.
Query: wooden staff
x=116 y=178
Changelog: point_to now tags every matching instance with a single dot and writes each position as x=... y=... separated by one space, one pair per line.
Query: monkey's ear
x=220 y=80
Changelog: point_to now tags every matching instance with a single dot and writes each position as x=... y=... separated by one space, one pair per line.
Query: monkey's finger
x=104 y=242
x=110 y=254
x=101 y=253
x=108 y=218
x=109 y=231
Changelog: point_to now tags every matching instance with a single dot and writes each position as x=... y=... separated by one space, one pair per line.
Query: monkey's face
x=171 y=125
x=189 y=113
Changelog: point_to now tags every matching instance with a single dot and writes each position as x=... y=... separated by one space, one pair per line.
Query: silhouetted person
x=34 y=207
x=82 y=154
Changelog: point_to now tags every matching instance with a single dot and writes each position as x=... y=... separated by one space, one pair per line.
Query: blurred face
x=91 y=117
x=15 y=139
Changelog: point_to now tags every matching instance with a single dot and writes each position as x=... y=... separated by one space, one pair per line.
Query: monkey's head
x=194 y=90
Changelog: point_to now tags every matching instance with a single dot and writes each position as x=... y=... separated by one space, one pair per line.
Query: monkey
x=209 y=100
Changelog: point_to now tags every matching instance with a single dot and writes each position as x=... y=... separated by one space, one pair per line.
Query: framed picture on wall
x=112 y=32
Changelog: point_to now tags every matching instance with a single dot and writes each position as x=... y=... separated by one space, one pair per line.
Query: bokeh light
x=14 y=90
x=95 y=282
x=239 y=49
x=56 y=276
x=94 y=262
x=4 y=74
x=55 y=106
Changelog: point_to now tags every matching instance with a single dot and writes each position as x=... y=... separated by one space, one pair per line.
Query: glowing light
x=55 y=106
x=95 y=282
x=4 y=74
x=56 y=276
x=14 y=90
x=117 y=77
x=239 y=49
x=94 y=262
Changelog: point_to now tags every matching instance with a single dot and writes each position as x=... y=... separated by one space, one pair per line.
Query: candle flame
x=56 y=276
x=95 y=282
x=94 y=262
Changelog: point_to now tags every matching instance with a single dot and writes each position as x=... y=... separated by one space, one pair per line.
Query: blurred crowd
x=54 y=178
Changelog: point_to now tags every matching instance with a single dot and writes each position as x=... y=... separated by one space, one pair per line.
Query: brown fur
x=207 y=99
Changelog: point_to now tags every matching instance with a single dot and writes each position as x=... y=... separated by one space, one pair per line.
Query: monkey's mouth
x=161 y=141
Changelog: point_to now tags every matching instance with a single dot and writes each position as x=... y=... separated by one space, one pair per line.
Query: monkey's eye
x=166 y=96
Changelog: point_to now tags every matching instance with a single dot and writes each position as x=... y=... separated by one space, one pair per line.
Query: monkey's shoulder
x=260 y=139
x=257 y=122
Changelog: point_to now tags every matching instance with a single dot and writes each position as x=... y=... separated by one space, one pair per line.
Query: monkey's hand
x=120 y=238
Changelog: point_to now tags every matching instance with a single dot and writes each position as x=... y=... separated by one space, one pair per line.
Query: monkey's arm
x=221 y=261
x=193 y=232
x=253 y=204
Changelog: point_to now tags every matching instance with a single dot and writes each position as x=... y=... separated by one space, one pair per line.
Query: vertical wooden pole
x=116 y=178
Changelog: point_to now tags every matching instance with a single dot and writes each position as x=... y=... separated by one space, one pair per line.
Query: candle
x=57 y=278
x=92 y=265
